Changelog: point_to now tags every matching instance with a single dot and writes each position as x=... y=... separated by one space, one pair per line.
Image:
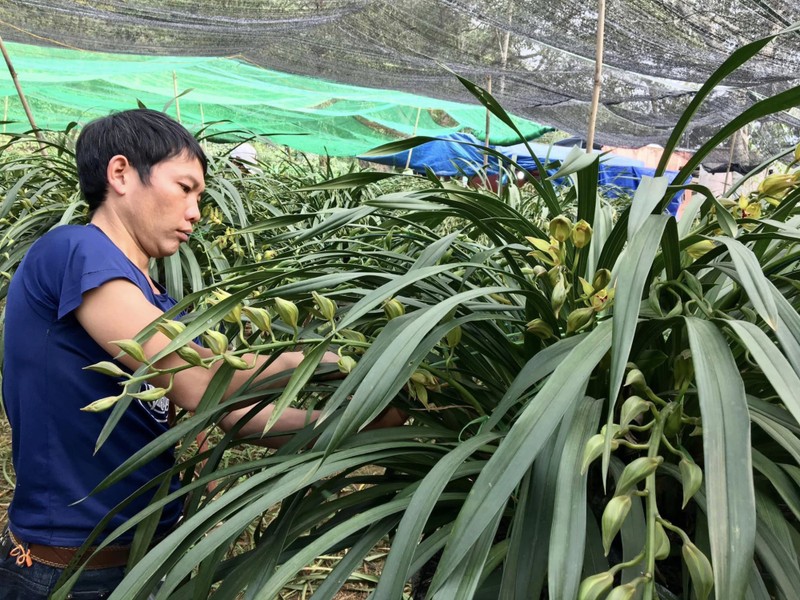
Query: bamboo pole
x=410 y=150
x=488 y=122
x=598 y=73
x=175 y=91
x=504 y=45
x=730 y=162
x=22 y=98
x=202 y=126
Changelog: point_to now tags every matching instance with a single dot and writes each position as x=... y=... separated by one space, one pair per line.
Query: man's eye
x=186 y=189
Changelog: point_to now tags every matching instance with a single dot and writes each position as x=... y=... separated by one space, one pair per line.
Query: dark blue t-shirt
x=45 y=386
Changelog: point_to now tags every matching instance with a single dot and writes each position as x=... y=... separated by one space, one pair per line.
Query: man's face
x=163 y=211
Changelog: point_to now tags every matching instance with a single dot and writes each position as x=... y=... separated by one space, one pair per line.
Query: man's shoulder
x=65 y=240
x=70 y=233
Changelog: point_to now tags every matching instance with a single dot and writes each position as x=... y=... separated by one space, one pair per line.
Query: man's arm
x=118 y=310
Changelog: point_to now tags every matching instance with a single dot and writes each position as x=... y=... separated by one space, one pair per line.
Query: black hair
x=145 y=137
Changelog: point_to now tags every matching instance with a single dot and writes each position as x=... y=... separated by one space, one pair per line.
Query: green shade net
x=307 y=114
x=537 y=57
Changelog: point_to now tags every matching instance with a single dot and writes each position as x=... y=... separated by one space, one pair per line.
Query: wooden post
x=416 y=124
x=22 y=98
x=504 y=49
x=488 y=122
x=202 y=126
x=175 y=91
x=598 y=73
x=730 y=162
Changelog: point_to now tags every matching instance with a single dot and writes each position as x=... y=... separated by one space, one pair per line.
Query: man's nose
x=193 y=212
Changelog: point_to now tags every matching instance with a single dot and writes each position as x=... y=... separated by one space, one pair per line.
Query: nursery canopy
x=311 y=115
x=538 y=56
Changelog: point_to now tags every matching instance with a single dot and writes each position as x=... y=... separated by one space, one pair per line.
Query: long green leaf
x=568 y=534
x=670 y=250
x=728 y=466
x=756 y=588
x=540 y=366
x=753 y=280
x=782 y=435
x=779 y=480
x=522 y=444
x=174 y=275
x=774 y=412
x=775 y=548
x=399 y=146
x=464 y=581
x=603 y=226
x=291 y=567
x=779 y=102
x=774 y=364
x=576 y=160
x=180 y=552
x=526 y=562
x=646 y=197
x=356 y=554
x=431 y=255
x=336 y=220
x=733 y=62
x=689 y=214
x=301 y=375
x=273 y=471
x=788 y=331
x=545 y=188
x=398 y=561
x=191 y=268
x=349 y=181
x=392 y=287
x=633 y=268
x=587 y=193
x=376 y=390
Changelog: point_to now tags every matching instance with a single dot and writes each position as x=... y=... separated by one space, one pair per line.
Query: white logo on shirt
x=158 y=409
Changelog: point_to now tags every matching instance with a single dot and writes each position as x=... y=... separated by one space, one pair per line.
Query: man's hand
x=389 y=417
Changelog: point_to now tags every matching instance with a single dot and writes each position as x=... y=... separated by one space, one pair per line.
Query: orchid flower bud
x=581 y=234
x=561 y=228
x=614 y=516
x=287 y=311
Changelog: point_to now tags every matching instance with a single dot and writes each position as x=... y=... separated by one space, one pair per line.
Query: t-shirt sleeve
x=72 y=265
x=72 y=296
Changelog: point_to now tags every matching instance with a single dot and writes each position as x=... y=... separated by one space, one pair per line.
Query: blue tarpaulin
x=453 y=156
x=618 y=174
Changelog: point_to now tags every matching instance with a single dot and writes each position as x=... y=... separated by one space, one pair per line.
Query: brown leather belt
x=59 y=557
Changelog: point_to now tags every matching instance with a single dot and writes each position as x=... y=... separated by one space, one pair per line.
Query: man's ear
x=118 y=173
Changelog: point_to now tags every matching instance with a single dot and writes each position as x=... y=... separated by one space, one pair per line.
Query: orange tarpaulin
x=650 y=155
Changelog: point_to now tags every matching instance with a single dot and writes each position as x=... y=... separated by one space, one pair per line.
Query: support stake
x=730 y=162
x=175 y=90
x=488 y=122
x=410 y=150
x=598 y=73
x=22 y=98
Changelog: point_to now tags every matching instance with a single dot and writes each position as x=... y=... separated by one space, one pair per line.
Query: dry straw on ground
x=6 y=470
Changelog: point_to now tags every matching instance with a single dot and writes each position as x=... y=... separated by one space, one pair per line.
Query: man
x=79 y=288
x=245 y=157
